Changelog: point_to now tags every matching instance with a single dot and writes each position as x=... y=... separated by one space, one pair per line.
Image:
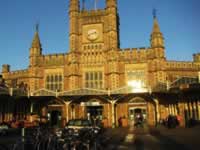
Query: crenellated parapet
x=178 y=69
x=14 y=78
x=92 y=57
x=52 y=59
x=181 y=65
x=135 y=54
x=88 y=13
x=17 y=74
x=91 y=18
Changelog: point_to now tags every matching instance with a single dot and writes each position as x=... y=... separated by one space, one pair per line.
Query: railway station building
x=97 y=78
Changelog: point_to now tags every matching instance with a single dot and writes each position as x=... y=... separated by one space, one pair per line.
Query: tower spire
x=36 y=39
x=37 y=27
x=157 y=40
x=154 y=13
x=36 y=48
x=156 y=27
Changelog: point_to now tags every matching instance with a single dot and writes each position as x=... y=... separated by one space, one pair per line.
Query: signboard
x=90 y=104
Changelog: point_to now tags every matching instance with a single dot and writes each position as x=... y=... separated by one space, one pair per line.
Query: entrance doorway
x=55 y=118
x=94 y=113
x=137 y=110
x=137 y=114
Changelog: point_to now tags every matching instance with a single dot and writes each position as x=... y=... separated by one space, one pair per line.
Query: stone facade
x=96 y=61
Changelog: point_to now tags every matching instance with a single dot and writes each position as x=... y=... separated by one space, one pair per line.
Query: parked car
x=3 y=129
x=80 y=134
x=77 y=124
x=81 y=124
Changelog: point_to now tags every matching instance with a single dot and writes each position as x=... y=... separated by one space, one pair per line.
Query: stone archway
x=143 y=107
x=137 y=108
x=55 y=112
x=93 y=109
x=88 y=107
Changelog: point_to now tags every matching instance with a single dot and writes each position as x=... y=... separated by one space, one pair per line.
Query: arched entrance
x=137 y=110
x=55 y=118
x=55 y=112
x=94 y=109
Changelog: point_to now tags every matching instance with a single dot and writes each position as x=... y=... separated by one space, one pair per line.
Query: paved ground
x=159 y=138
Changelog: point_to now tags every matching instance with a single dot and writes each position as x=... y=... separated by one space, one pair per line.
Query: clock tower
x=93 y=29
x=94 y=47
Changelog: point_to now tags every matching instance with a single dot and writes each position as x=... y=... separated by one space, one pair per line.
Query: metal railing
x=91 y=91
x=75 y=92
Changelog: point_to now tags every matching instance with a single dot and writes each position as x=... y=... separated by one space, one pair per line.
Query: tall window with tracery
x=54 y=82
x=94 y=80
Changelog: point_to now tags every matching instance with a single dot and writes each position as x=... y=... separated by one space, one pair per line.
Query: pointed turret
x=36 y=40
x=156 y=28
x=157 y=40
x=36 y=48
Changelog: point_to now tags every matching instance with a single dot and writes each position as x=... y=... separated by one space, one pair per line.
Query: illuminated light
x=137 y=86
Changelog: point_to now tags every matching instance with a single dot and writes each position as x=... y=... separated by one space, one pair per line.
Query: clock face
x=92 y=34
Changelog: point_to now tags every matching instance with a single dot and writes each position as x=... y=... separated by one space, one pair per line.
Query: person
x=179 y=119
x=172 y=121
x=141 y=120
x=93 y=120
x=120 y=121
x=169 y=121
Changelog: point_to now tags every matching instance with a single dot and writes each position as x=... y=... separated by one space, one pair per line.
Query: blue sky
x=179 y=22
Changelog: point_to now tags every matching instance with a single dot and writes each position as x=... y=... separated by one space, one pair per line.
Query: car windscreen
x=71 y=122
x=79 y=123
x=86 y=123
